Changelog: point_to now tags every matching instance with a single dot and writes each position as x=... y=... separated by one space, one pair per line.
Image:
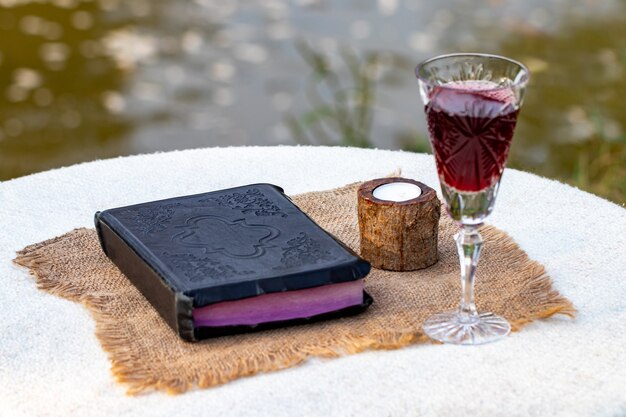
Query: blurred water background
x=81 y=80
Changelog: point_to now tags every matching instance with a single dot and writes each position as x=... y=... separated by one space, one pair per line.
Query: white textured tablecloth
x=51 y=363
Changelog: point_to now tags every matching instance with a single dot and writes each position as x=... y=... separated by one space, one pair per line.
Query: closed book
x=232 y=261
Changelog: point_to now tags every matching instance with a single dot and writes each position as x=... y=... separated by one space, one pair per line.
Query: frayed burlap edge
x=540 y=284
x=130 y=370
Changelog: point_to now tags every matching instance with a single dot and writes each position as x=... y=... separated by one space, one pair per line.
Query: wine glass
x=471 y=104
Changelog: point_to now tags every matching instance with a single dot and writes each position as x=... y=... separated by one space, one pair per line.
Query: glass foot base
x=450 y=327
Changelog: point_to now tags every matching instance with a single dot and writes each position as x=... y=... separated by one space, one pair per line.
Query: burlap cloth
x=147 y=355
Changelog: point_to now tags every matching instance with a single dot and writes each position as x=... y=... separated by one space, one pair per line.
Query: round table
x=52 y=364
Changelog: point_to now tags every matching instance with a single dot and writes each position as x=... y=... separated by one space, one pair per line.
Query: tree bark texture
x=398 y=236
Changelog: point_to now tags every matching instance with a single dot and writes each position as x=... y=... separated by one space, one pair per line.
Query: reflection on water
x=574 y=119
x=55 y=85
x=81 y=79
x=342 y=98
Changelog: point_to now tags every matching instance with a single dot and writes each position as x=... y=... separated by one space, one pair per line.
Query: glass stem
x=469 y=243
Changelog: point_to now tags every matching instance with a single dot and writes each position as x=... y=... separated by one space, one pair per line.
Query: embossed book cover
x=233 y=260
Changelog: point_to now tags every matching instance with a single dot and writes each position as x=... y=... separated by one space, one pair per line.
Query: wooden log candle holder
x=398 y=223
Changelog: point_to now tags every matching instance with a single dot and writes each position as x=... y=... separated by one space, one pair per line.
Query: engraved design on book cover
x=303 y=250
x=233 y=238
x=150 y=219
x=199 y=269
x=252 y=201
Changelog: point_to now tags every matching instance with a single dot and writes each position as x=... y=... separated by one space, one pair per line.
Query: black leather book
x=232 y=261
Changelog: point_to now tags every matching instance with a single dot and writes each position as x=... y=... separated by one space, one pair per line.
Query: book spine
x=174 y=307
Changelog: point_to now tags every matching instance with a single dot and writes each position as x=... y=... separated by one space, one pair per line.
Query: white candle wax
x=397 y=191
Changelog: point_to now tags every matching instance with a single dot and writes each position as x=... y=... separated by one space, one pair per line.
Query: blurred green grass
x=81 y=80
x=575 y=126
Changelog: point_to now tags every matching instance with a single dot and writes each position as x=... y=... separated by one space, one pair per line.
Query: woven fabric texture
x=147 y=355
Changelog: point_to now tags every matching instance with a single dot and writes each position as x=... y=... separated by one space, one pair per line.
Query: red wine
x=471 y=125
